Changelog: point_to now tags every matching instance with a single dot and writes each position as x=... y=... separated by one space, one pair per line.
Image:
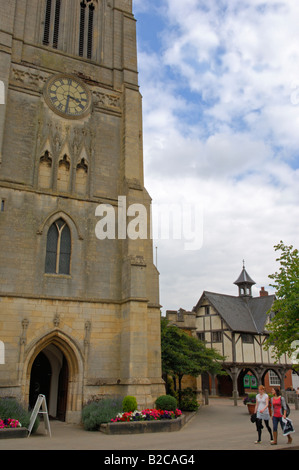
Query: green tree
x=186 y=355
x=284 y=325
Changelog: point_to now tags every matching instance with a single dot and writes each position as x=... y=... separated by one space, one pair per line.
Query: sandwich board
x=40 y=404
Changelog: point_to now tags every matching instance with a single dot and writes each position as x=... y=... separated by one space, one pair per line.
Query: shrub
x=129 y=404
x=188 y=400
x=12 y=409
x=250 y=399
x=166 y=402
x=97 y=412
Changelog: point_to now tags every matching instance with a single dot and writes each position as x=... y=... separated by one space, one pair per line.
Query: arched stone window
x=52 y=23
x=45 y=171
x=87 y=8
x=81 y=177
x=63 y=177
x=58 y=256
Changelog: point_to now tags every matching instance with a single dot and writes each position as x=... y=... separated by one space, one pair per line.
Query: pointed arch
x=59 y=248
x=75 y=362
x=45 y=170
x=56 y=215
x=82 y=169
x=46 y=38
x=63 y=175
x=53 y=249
x=86 y=29
x=52 y=23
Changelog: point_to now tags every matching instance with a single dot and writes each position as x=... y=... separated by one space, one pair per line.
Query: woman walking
x=262 y=413
x=279 y=411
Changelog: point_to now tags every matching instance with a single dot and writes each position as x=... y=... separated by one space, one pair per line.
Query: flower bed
x=12 y=429
x=145 y=421
x=9 y=423
x=146 y=415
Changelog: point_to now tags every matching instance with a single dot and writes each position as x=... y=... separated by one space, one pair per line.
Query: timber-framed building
x=236 y=326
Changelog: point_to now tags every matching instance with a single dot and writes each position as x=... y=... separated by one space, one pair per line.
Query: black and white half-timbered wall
x=236 y=326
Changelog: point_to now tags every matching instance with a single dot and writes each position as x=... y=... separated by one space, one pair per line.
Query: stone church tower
x=79 y=313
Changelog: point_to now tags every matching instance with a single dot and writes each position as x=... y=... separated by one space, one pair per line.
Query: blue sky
x=220 y=87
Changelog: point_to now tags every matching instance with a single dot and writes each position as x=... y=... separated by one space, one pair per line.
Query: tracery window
x=87 y=8
x=58 y=255
x=52 y=23
x=53 y=27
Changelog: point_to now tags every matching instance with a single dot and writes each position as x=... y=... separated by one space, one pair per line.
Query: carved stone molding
x=35 y=80
x=23 y=338
x=105 y=100
x=56 y=320
x=29 y=78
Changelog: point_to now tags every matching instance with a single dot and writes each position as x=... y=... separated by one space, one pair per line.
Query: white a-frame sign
x=40 y=404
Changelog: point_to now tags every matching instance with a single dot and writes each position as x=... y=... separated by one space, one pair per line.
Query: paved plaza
x=218 y=426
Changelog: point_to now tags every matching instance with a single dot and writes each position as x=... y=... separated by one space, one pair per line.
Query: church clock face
x=68 y=96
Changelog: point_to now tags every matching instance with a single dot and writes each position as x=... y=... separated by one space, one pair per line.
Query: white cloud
x=221 y=119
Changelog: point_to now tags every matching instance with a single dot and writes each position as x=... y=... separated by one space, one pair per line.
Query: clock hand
x=73 y=98
x=67 y=103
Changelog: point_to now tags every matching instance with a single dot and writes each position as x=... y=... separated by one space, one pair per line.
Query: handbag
x=253 y=418
x=285 y=406
x=288 y=427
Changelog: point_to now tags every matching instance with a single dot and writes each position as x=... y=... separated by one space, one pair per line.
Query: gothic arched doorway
x=67 y=371
x=40 y=379
x=49 y=377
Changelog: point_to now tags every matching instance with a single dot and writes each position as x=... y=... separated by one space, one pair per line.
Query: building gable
x=243 y=315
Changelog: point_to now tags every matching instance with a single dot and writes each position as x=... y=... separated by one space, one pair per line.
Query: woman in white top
x=262 y=413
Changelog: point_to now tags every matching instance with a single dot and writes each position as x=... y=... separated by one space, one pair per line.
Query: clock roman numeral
x=68 y=96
